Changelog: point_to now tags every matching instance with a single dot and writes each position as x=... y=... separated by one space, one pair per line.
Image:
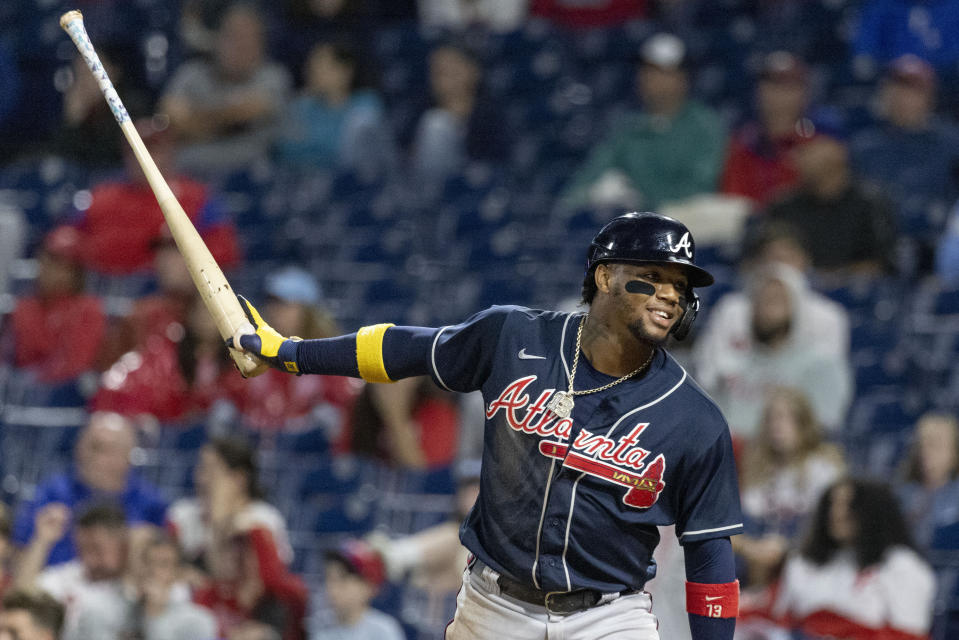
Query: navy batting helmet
x=647 y=237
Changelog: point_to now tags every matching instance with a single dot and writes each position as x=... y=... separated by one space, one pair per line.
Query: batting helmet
x=652 y=238
x=647 y=237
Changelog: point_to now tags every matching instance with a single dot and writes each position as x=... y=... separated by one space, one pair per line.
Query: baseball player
x=594 y=437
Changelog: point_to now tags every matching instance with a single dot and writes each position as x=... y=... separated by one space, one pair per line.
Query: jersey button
x=551 y=562
x=554 y=522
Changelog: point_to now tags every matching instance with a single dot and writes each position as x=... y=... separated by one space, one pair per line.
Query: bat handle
x=72 y=23
x=249 y=365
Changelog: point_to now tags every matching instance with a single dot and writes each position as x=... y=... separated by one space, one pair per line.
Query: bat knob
x=69 y=17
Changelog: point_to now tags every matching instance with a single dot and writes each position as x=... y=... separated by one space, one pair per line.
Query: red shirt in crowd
x=150 y=378
x=58 y=337
x=757 y=167
x=588 y=14
x=124 y=221
x=436 y=420
x=280 y=587
x=275 y=399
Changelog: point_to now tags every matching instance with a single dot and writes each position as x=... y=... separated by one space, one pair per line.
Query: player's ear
x=603 y=276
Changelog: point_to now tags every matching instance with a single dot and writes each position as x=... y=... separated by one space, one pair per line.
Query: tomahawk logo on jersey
x=649 y=452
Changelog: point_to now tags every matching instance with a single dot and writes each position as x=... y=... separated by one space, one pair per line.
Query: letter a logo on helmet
x=647 y=237
x=684 y=244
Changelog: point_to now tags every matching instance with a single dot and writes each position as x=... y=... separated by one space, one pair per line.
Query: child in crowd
x=354 y=574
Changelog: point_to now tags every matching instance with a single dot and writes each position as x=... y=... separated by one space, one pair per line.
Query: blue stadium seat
x=341 y=475
x=351 y=516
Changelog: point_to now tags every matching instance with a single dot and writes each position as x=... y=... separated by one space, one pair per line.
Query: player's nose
x=669 y=292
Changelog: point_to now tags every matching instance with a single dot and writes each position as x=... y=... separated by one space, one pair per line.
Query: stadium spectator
x=847 y=227
x=823 y=321
x=411 y=424
x=58 y=330
x=159 y=313
x=759 y=160
x=671 y=150
x=228 y=499
x=461 y=124
x=338 y=117
x=429 y=563
x=274 y=400
x=88 y=134
x=173 y=376
x=912 y=155
x=157 y=604
x=499 y=16
x=226 y=110
x=123 y=224
x=354 y=574
x=929 y=493
x=857 y=575
x=774 y=342
x=100 y=472
x=252 y=594
x=785 y=470
x=30 y=616
x=95 y=576
x=575 y=13
x=888 y=29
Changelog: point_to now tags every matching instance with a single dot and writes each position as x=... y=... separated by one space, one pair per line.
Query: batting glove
x=264 y=342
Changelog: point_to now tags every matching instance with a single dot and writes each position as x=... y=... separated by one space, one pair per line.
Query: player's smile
x=662 y=316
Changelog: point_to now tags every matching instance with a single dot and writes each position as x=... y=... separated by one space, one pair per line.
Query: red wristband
x=713 y=600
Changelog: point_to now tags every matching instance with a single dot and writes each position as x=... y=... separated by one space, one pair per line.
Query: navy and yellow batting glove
x=265 y=343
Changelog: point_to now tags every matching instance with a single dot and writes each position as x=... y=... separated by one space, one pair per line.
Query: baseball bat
x=207 y=276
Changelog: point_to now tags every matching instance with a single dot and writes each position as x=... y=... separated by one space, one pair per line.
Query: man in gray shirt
x=161 y=609
x=225 y=110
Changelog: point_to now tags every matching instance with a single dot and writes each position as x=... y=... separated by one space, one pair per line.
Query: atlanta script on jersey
x=569 y=503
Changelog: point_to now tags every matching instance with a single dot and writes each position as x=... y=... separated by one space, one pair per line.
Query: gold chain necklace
x=562 y=402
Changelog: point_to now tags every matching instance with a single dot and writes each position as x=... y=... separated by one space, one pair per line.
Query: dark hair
x=44 y=610
x=880 y=524
x=364 y=76
x=589 y=286
x=6 y=522
x=238 y=455
x=760 y=236
x=106 y=515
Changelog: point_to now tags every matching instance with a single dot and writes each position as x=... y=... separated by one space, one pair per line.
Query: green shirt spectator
x=671 y=150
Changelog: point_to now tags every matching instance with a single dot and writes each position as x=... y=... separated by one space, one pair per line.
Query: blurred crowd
x=357 y=161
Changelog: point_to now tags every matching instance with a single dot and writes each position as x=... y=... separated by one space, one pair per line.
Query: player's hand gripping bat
x=214 y=289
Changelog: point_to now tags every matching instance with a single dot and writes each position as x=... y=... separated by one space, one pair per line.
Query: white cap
x=664 y=50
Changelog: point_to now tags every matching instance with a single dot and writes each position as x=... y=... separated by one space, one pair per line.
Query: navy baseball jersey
x=569 y=503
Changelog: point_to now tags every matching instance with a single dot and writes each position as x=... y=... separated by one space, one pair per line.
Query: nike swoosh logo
x=711 y=598
x=525 y=356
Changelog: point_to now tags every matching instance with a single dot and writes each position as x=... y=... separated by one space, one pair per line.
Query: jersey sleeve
x=909 y=589
x=709 y=500
x=461 y=356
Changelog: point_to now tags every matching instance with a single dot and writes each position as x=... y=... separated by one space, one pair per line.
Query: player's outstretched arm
x=712 y=591
x=363 y=354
